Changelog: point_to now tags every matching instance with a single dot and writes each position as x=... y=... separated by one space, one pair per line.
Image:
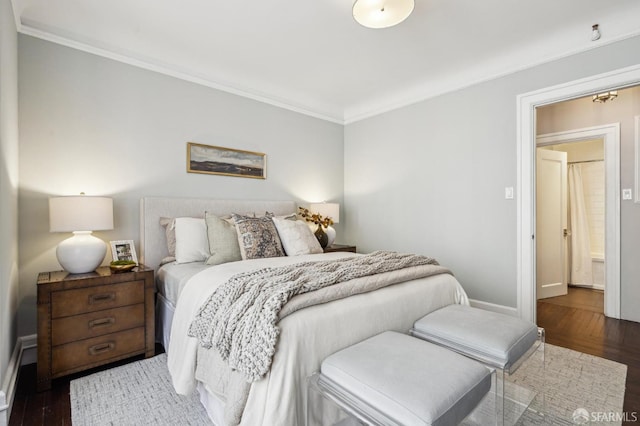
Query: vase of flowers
x=321 y=222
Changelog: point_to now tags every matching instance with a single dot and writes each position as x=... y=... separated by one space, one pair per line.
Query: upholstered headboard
x=153 y=246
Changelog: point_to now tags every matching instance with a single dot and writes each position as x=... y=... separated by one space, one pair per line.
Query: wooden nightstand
x=339 y=247
x=87 y=320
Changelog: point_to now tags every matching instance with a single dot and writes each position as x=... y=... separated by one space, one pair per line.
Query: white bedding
x=172 y=277
x=307 y=336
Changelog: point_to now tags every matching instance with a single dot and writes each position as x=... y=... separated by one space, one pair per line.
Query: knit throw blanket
x=240 y=318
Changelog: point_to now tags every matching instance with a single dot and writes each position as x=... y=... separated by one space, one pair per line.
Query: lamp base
x=81 y=253
x=331 y=234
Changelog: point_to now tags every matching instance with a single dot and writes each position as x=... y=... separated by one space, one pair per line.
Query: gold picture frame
x=217 y=160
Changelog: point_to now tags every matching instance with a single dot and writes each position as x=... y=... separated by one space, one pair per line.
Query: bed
x=307 y=336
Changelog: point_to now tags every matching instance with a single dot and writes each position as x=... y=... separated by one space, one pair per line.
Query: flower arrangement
x=314 y=217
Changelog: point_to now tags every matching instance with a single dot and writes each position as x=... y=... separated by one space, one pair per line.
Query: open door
x=551 y=223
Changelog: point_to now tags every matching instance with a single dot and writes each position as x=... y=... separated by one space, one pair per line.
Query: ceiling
x=310 y=56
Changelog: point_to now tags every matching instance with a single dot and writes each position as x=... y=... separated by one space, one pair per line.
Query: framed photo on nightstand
x=123 y=250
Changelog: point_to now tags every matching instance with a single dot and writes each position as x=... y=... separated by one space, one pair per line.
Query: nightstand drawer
x=96 y=350
x=91 y=299
x=78 y=327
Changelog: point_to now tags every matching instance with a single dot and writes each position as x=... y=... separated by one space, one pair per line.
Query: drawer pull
x=99 y=298
x=102 y=322
x=101 y=348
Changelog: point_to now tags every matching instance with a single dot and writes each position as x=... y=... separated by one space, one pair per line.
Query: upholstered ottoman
x=498 y=340
x=395 y=379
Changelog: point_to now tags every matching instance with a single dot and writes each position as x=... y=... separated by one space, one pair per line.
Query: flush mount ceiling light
x=381 y=13
x=606 y=96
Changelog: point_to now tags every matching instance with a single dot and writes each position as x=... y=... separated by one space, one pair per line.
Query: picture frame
x=123 y=250
x=217 y=160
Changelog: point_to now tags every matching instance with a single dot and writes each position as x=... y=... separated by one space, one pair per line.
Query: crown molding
x=172 y=71
x=355 y=114
x=17 y=6
x=350 y=114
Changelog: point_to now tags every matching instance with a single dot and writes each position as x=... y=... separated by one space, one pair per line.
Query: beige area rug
x=141 y=392
x=578 y=388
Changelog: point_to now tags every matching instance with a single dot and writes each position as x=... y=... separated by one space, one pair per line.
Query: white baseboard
x=29 y=349
x=4 y=409
x=592 y=287
x=501 y=309
x=8 y=391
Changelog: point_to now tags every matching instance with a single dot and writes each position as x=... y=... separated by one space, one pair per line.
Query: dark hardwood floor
x=575 y=321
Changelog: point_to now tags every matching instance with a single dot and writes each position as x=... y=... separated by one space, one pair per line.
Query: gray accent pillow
x=223 y=240
x=258 y=237
x=296 y=237
x=169 y=225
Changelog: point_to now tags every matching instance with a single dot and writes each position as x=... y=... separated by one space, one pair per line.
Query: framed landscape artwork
x=217 y=160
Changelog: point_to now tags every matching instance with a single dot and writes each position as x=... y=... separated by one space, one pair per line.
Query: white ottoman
x=498 y=340
x=395 y=379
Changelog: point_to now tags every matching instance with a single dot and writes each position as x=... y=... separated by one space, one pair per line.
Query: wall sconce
x=606 y=96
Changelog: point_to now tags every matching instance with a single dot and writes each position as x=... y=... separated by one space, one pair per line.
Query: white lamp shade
x=330 y=210
x=381 y=13
x=68 y=214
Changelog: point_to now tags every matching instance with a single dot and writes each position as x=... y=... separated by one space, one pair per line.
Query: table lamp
x=81 y=215
x=330 y=210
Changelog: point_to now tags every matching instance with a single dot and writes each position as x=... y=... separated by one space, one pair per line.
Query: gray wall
x=8 y=185
x=581 y=113
x=430 y=177
x=95 y=125
x=427 y=178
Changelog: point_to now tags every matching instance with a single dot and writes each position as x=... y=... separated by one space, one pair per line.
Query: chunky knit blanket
x=240 y=318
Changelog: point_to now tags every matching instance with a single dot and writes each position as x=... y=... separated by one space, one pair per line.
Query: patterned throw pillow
x=257 y=237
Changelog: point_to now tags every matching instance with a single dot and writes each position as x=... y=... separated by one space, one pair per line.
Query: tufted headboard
x=153 y=246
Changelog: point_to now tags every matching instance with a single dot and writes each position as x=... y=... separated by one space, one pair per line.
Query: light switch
x=508 y=193
x=626 y=194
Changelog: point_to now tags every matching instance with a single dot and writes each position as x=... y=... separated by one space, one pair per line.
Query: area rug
x=141 y=393
x=577 y=387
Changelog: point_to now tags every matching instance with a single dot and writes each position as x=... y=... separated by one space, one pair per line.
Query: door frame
x=526 y=143
x=610 y=133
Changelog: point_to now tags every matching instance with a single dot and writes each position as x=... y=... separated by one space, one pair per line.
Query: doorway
x=526 y=137
x=570 y=220
x=610 y=135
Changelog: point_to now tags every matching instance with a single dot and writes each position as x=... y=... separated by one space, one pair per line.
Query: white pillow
x=192 y=244
x=296 y=237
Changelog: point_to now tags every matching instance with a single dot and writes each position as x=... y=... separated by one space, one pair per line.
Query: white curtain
x=581 y=272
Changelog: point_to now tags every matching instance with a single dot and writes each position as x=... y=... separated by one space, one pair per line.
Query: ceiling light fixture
x=381 y=13
x=606 y=96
